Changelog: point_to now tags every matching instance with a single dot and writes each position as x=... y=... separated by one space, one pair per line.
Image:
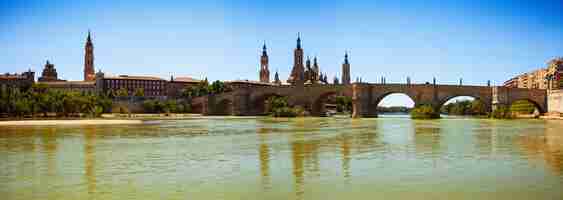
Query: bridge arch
x=380 y=98
x=224 y=107
x=260 y=101
x=536 y=105
x=318 y=107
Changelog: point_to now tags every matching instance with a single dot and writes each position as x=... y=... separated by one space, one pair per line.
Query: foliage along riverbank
x=39 y=101
x=424 y=112
x=278 y=107
x=476 y=108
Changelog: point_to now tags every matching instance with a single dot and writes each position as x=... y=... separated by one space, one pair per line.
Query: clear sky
x=476 y=40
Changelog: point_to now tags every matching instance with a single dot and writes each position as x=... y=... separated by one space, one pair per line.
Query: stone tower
x=277 y=79
x=89 y=72
x=346 y=70
x=308 y=70
x=316 y=70
x=264 y=71
x=297 y=75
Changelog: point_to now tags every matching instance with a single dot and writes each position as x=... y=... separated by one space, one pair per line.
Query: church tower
x=277 y=79
x=89 y=73
x=264 y=71
x=297 y=75
x=346 y=70
x=316 y=70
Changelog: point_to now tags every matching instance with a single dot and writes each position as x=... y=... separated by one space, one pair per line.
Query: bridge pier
x=361 y=102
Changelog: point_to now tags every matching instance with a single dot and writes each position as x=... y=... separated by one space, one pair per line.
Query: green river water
x=302 y=158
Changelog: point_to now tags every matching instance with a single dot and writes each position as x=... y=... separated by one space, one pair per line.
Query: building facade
x=72 y=86
x=23 y=80
x=544 y=78
x=151 y=86
x=176 y=85
x=555 y=73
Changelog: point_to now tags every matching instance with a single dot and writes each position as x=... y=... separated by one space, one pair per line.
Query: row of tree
x=465 y=107
x=16 y=102
x=393 y=109
x=168 y=106
x=278 y=106
x=204 y=88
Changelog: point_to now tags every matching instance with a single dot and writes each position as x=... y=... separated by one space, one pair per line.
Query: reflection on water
x=89 y=158
x=544 y=146
x=306 y=158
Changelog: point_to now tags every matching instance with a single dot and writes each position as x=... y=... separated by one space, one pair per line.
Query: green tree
x=424 y=112
x=478 y=107
x=343 y=103
x=149 y=106
x=122 y=92
x=139 y=92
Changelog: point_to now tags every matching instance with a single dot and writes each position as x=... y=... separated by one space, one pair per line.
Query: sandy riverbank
x=68 y=122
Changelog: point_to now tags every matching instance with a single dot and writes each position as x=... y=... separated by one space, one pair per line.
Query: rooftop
x=186 y=79
x=129 y=77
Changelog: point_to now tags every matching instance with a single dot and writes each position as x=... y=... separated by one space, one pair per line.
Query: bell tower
x=264 y=71
x=89 y=73
x=345 y=70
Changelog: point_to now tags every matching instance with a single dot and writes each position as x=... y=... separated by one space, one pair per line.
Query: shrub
x=424 y=112
x=502 y=112
x=278 y=107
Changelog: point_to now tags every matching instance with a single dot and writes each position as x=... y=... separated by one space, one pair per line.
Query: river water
x=303 y=158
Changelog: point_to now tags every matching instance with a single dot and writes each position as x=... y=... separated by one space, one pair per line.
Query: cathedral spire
x=298 y=40
x=89 y=39
x=297 y=75
x=264 y=50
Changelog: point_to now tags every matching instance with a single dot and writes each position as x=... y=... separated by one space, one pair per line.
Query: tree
x=139 y=92
x=122 y=92
x=478 y=107
x=424 y=112
x=343 y=103
x=149 y=106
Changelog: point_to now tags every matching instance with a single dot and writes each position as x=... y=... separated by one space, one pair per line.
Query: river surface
x=303 y=158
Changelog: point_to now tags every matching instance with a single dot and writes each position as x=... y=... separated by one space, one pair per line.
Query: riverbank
x=68 y=122
x=149 y=116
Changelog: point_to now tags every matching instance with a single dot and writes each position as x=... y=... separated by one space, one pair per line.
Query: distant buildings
x=545 y=78
x=151 y=86
x=301 y=74
x=25 y=79
x=99 y=82
x=49 y=73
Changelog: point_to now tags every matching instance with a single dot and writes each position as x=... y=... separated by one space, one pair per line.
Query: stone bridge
x=248 y=98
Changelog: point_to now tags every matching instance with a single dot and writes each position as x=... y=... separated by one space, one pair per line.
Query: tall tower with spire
x=297 y=75
x=277 y=79
x=316 y=70
x=264 y=71
x=89 y=72
x=346 y=70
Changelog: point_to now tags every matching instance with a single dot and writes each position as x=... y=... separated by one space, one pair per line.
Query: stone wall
x=555 y=101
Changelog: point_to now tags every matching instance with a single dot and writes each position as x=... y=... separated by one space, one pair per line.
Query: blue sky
x=476 y=40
